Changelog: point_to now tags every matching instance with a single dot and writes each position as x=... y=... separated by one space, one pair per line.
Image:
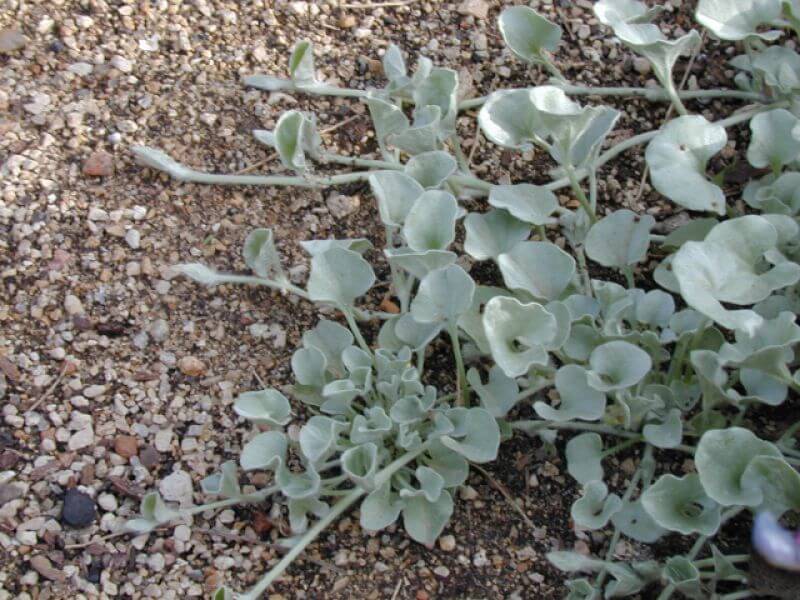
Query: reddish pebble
x=390 y=307
x=126 y=445
x=261 y=523
x=189 y=365
x=99 y=164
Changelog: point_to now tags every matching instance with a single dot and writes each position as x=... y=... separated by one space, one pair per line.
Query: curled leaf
x=527 y=33
x=265 y=407
x=678 y=157
x=260 y=253
x=265 y=451
x=735 y=20
x=776 y=139
x=578 y=399
x=595 y=508
x=727 y=267
x=721 y=459
x=682 y=505
x=519 y=335
x=617 y=365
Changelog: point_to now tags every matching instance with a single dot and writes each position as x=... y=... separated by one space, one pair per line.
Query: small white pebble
x=133 y=238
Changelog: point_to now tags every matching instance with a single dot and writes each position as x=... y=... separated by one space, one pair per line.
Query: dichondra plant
x=665 y=370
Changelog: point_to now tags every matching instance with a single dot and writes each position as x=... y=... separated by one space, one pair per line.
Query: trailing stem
x=351 y=323
x=654 y=95
x=462 y=398
x=580 y=194
x=612 y=546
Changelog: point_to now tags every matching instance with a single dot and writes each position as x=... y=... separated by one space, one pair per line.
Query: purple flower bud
x=776 y=545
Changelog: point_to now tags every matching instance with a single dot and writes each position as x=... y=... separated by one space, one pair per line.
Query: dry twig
x=505 y=493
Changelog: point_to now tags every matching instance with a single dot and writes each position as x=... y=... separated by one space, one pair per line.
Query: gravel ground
x=116 y=378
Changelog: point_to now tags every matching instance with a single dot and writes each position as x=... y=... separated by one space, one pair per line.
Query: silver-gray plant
x=627 y=366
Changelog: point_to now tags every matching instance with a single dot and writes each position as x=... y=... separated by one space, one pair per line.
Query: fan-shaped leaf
x=481 y=438
x=387 y=118
x=546 y=116
x=431 y=222
x=380 y=508
x=662 y=53
x=499 y=395
x=488 y=235
x=666 y=434
x=265 y=451
x=396 y=193
x=298 y=513
x=339 y=276
x=634 y=521
x=295 y=136
x=620 y=239
x=528 y=203
x=519 y=335
x=440 y=89
x=319 y=438
x=419 y=264
x=431 y=169
x=424 y=521
x=776 y=481
x=540 y=268
x=584 y=458
x=360 y=464
x=443 y=295
x=224 y=483
x=611 y=12
x=423 y=135
x=431 y=485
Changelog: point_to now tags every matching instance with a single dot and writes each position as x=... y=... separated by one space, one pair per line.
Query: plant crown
x=669 y=367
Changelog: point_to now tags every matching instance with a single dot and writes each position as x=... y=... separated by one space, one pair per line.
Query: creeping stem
x=461 y=384
x=300 y=545
x=351 y=323
x=654 y=95
x=580 y=194
x=612 y=545
x=201 y=508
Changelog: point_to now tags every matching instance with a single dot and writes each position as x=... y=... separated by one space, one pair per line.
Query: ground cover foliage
x=674 y=367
